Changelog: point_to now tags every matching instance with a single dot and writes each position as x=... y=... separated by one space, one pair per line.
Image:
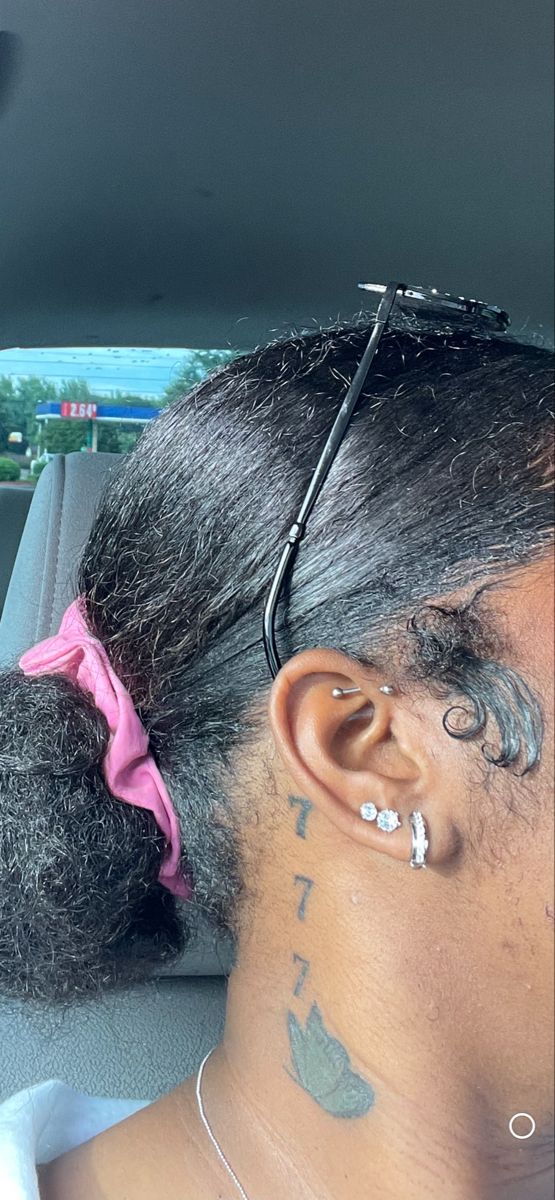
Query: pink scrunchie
x=129 y=769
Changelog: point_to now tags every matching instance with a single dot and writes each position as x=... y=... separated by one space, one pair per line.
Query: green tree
x=4 y=432
x=9 y=471
x=196 y=365
x=7 y=406
x=76 y=389
x=7 y=403
x=110 y=438
x=127 y=440
x=19 y=400
x=126 y=399
x=65 y=436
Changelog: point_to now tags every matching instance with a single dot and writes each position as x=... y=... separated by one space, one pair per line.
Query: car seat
x=138 y=1044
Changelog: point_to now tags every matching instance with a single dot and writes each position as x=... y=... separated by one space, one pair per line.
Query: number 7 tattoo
x=305 y=965
x=305 y=807
x=307 y=885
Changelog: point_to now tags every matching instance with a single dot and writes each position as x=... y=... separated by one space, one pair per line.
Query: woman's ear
x=367 y=747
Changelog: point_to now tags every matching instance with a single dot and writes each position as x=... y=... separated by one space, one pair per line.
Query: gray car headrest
x=43 y=584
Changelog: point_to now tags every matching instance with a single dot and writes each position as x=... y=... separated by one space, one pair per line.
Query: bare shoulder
x=150 y=1155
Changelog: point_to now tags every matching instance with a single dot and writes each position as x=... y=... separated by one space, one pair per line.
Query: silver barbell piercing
x=338 y=692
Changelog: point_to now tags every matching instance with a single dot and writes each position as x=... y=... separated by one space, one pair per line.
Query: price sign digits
x=82 y=409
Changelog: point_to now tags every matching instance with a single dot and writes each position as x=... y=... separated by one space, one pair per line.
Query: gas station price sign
x=78 y=408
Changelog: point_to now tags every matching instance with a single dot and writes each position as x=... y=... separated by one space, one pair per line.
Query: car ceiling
x=205 y=173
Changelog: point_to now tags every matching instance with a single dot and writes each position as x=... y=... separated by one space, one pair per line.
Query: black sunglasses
x=415 y=298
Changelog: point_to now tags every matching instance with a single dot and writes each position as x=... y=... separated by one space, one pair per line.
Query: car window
x=57 y=400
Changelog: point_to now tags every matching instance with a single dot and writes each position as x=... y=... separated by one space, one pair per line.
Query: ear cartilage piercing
x=338 y=692
x=387 y=819
x=419 y=840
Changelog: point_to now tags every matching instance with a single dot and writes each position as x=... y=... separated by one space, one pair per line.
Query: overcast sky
x=143 y=371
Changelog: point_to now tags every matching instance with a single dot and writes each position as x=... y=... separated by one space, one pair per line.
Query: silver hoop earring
x=387 y=819
x=419 y=840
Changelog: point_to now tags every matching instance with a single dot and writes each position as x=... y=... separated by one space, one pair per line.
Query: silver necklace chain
x=214 y=1141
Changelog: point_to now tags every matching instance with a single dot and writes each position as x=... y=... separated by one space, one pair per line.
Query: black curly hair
x=442 y=480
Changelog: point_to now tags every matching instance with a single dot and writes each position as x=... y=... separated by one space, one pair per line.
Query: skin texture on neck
x=384 y=1025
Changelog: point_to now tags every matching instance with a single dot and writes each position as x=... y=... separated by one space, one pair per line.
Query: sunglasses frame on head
x=418 y=299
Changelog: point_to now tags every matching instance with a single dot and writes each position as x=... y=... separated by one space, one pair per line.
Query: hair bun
x=51 y=726
x=81 y=908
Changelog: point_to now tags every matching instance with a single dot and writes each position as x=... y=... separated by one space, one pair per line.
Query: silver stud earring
x=387 y=819
x=419 y=840
x=339 y=692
